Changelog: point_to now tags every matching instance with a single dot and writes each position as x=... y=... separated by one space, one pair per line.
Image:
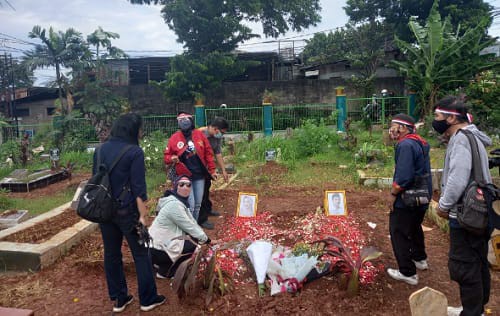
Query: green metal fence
x=241 y=119
x=166 y=124
x=292 y=116
x=378 y=110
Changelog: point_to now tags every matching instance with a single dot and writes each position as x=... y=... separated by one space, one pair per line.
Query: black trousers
x=165 y=265
x=206 y=204
x=468 y=266
x=407 y=237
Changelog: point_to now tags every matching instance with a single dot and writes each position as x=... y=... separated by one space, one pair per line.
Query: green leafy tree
x=58 y=49
x=326 y=47
x=98 y=102
x=102 y=39
x=192 y=77
x=219 y=25
x=484 y=94
x=397 y=14
x=22 y=74
x=362 y=46
x=441 y=59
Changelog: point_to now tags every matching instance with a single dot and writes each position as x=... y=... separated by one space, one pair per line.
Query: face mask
x=394 y=133
x=184 y=125
x=218 y=135
x=440 y=126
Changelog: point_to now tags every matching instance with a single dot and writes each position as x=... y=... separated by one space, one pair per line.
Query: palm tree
x=100 y=38
x=59 y=49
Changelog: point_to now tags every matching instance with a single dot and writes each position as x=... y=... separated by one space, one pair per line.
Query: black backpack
x=96 y=202
x=475 y=213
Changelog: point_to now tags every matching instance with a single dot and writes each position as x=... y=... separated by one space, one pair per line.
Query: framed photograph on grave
x=335 y=203
x=247 y=205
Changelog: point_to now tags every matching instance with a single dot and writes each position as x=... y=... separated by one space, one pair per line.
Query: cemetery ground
x=76 y=285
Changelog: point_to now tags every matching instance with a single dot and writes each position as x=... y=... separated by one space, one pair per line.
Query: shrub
x=312 y=138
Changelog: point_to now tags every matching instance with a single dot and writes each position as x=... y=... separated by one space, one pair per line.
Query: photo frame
x=247 y=204
x=335 y=203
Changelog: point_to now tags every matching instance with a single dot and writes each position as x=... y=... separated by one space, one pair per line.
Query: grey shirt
x=216 y=143
x=458 y=166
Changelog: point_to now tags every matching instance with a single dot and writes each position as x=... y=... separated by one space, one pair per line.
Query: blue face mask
x=218 y=135
x=184 y=125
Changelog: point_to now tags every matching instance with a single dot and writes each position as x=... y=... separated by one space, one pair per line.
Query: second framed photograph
x=247 y=205
x=335 y=203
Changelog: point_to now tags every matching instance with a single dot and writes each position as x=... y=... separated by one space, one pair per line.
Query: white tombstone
x=428 y=302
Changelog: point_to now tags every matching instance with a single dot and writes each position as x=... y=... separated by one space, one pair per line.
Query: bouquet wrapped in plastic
x=259 y=253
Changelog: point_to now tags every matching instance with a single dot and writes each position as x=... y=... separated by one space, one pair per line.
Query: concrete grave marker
x=428 y=302
x=11 y=218
x=74 y=202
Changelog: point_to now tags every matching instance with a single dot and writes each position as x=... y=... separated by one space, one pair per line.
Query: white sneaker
x=395 y=274
x=421 y=265
x=159 y=276
x=454 y=311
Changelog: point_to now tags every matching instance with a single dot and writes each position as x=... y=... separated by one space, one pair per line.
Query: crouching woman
x=174 y=220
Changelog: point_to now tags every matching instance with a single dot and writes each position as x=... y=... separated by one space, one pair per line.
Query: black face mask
x=440 y=126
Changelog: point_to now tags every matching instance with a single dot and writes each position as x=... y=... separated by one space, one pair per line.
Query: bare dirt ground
x=76 y=285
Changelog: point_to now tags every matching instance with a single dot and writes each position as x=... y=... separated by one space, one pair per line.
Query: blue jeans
x=123 y=224
x=196 y=197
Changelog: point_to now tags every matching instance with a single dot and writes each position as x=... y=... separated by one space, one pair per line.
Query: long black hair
x=127 y=127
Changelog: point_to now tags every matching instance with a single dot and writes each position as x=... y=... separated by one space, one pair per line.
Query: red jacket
x=177 y=145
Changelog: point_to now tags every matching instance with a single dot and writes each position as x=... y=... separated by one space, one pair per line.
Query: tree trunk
x=59 y=85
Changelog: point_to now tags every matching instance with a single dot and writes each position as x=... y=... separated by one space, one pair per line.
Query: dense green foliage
x=193 y=76
x=441 y=60
x=396 y=14
x=22 y=75
x=205 y=26
x=361 y=46
x=484 y=95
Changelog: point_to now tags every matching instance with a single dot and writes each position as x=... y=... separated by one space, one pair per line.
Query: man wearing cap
x=411 y=163
x=467 y=260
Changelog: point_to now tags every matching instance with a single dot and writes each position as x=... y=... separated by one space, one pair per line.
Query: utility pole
x=5 y=84
x=13 y=98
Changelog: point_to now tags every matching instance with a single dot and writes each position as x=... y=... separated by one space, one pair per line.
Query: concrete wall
x=38 y=111
x=148 y=99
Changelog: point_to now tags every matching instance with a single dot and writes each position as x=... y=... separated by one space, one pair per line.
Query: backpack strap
x=477 y=171
x=120 y=155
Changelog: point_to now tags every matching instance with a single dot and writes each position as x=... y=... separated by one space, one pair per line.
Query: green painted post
x=341 y=108
x=200 y=118
x=412 y=98
x=383 y=111
x=267 y=109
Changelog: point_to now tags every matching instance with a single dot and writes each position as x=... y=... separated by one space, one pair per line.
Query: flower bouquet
x=259 y=253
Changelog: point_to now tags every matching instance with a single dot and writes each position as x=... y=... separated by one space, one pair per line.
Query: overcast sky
x=142 y=29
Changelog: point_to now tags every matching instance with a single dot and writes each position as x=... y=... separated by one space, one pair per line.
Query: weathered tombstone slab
x=74 y=202
x=11 y=218
x=428 y=302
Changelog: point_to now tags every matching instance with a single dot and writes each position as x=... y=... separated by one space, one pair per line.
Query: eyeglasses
x=183 y=184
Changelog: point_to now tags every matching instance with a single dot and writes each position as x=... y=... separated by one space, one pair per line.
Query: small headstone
x=270 y=155
x=74 y=202
x=428 y=302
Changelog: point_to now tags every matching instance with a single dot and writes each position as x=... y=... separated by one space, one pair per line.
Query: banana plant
x=441 y=59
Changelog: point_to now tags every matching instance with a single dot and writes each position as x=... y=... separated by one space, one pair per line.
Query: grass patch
x=37 y=206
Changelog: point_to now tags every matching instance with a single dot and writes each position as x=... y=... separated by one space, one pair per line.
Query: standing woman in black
x=128 y=183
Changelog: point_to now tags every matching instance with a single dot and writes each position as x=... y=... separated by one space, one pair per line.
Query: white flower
x=148 y=158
